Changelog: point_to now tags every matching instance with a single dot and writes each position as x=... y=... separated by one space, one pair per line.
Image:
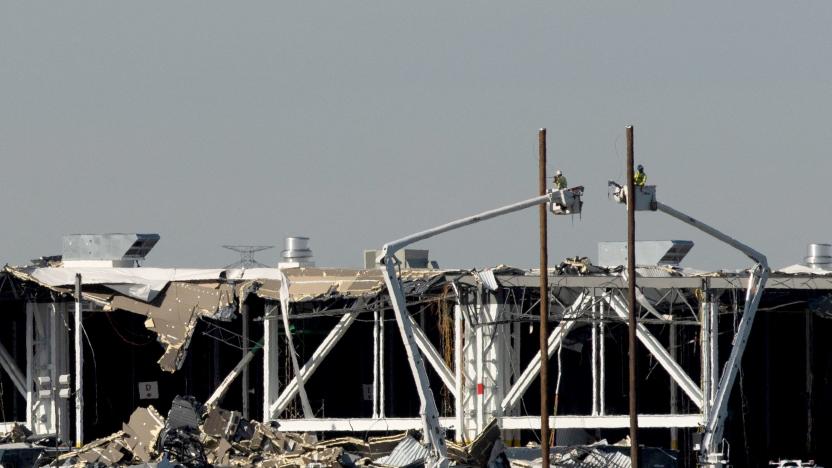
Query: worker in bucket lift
x=640 y=178
x=560 y=180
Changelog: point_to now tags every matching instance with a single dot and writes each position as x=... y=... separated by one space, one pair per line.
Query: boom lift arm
x=715 y=423
x=567 y=201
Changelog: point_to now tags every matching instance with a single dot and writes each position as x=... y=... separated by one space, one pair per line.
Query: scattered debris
x=195 y=435
x=19 y=433
x=20 y=448
x=599 y=454
x=583 y=266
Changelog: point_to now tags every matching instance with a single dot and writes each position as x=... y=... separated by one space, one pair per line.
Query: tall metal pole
x=631 y=295
x=544 y=306
x=79 y=368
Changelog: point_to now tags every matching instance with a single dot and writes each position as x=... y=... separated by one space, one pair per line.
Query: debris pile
x=597 y=455
x=196 y=435
x=19 y=448
x=583 y=266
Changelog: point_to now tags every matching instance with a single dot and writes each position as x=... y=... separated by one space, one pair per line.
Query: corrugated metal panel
x=409 y=452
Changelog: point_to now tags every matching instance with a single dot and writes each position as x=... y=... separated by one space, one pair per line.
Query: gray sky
x=358 y=122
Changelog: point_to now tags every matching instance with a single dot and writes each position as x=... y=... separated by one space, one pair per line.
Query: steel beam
x=364 y=425
x=660 y=353
x=14 y=373
x=312 y=364
x=284 y=309
x=533 y=369
x=433 y=357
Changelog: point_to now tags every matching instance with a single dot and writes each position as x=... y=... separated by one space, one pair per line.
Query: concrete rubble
x=194 y=435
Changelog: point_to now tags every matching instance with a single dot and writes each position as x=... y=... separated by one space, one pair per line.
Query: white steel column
x=271 y=363
x=602 y=364
x=595 y=403
x=469 y=369
x=705 y=349
x=714 y=358
x=480 y=363
x=381 y=390
x=376 y=360
x=674 y=354
x=458 y=400
x=30 y=363
x=246 y=396
x=79 y=367
x=53 y=368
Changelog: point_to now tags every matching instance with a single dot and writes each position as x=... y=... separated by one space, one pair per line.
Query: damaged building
x=91 y=336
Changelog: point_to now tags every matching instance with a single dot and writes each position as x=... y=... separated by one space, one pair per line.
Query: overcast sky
x=355 y=123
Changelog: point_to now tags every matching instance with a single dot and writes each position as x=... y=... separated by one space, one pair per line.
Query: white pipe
x=458 y=409
x=375 y=365
x=594 y=355
x=381 y=365
x=30 y=363
x=79 y=368
x=603 y=364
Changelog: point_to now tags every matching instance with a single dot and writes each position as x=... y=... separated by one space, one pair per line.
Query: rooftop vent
x=296 y=253
x=107 y=250
x=648 y=253
x=820 y=256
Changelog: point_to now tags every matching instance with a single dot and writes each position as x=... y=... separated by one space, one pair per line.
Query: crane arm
x=432 y=432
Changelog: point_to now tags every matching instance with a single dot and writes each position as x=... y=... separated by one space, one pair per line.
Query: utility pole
x=631 y=295
x=544 y=306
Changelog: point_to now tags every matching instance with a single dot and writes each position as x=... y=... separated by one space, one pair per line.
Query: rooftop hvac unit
x=648 y=253
x=407 y=258
x=106 y=250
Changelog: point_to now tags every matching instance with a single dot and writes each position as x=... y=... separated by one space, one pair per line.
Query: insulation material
x=142 y=430
x=139 y=283
x=316 y=283
x=173 y=317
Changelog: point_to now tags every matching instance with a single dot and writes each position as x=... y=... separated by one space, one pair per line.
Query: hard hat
x=640 y=167
x=558 y=172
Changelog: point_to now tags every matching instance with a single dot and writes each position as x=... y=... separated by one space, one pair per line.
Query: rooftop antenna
x=247 y=255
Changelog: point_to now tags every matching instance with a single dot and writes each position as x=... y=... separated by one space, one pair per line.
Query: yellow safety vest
x=640 y=179
x=560 y=182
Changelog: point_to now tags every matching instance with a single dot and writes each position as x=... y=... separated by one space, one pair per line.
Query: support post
x=602 y=364
x=376 y=361
x=30 y=363
x=79 y=367
x=631 y=296
x=713 y=310
x=544 y=304
x=809 y=333
x=458 y=401
x=271 y=363
x=705 y=346
x=381 y=390
x=245 y=378
x=594 y=342
x=674 y=354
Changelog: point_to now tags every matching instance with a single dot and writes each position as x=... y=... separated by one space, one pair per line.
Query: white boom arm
x=645 y=199
x=715 y=422
x=433 y=433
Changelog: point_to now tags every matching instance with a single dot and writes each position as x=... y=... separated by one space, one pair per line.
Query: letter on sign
x=148 y=390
